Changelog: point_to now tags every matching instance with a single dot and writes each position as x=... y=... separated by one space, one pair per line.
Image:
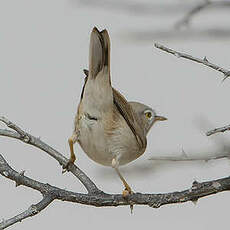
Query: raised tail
x=99 y=53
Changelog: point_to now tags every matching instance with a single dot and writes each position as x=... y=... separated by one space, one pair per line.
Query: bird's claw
x=65 y=168
x=126 y=192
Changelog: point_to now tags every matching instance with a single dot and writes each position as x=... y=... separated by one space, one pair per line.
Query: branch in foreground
x=31 y=140
x=95 y=197
x=218 y=130
x=31 y=211
x=203 y=61
x=198 y=8
x=51 y=193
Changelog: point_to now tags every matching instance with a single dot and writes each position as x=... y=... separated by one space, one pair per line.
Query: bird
x=109 y=129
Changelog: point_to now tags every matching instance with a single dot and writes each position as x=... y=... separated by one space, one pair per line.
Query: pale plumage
x=110 y=130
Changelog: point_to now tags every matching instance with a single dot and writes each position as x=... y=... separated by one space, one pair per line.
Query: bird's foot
x=126 y=192
x=65 y=168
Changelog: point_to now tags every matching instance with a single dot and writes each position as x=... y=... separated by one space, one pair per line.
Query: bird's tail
x=99 y=53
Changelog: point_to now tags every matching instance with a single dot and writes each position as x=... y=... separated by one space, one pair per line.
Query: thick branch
x=95 y=197
x=31 y=140
x=203 y=61
x=218 y=130
x=102 y=199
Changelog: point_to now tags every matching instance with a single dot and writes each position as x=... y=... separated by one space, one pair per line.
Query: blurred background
x=43 y=50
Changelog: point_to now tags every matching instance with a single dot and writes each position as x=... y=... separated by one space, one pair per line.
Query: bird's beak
x=160 y=118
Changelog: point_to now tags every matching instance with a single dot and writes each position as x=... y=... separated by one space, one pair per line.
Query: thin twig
x=135 y=7
x=203 y=61
x=31 y=140
x=218 y=130
x=186 y=19
x=31 y=211
x=190 y=158
x=185 y=157
x=206 y=4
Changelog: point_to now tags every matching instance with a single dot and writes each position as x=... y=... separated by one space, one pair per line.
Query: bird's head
x=146 y=115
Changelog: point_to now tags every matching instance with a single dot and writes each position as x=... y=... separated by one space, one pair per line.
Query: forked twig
x=94 y=197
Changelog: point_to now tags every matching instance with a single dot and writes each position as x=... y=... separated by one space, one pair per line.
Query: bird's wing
x=127 y=113
x=86 y=72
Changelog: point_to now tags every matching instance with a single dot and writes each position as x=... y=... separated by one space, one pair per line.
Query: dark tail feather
x=99 y=52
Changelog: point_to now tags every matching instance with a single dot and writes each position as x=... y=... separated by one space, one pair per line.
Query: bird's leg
x=72 y=140
x=72 y=158
x=128 y=190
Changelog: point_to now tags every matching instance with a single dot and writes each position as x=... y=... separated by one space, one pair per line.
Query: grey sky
x=43 y=50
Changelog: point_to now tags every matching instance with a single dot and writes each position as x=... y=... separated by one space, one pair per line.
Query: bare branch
x=95 y=197
x=31 y=211
x=31 y=140
x=152 y=8
x=190 y=158
x=198 y=8
x=203 y=61
x=20 y=179
x=186 y=19
x=102 y=199
x=185 y=157
x=218 y=130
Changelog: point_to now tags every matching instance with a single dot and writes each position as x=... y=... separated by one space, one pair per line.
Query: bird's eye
x=148 y=115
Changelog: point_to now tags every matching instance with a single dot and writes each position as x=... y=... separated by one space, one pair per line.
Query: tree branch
x=190 y=158
x=198 y=8
x=186 y=19
x=51 y=193
x=31 y=211
x=31 y=140
x=218 y=130
x=203 y=61
x=95 y=197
